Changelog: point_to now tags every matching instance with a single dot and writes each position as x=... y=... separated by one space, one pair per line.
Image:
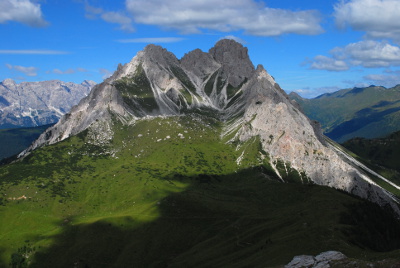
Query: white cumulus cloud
x=29 y=71
x=118 y=18
x=219 y=15
x=321 y=62
x=23 y=11
x=367 y=53
x=388 y=80
x=378 y=18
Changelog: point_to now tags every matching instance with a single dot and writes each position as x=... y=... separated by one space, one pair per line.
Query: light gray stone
x=320 y=261
x=224 y=81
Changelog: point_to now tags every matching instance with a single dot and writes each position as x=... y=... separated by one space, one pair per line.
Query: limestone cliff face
x=292 y=139
x=248 y=100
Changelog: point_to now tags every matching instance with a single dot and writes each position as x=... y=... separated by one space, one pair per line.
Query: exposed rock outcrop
x=322 y=260
x=248 y=101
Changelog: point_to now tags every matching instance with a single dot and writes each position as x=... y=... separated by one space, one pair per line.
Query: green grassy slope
x=168 y=192
x=364 y=112
x=15 y=140
x=382 y=154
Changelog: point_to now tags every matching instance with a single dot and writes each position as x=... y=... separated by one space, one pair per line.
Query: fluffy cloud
x=237 y=39
x=378 y=18
x=219 y=15
x=29 y=71
x=325 y=63
x=314 y=92
x=388 y=80
x=125 y=23
x=23 y=11
x=118 y=18
x=68 y=71
x=369 y=54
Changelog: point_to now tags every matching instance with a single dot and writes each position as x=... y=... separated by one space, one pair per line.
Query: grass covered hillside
x=171 y=192
x=381 y=154
x=369 y=112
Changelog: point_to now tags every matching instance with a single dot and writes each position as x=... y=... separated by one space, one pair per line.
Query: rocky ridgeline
x=30 y=104
x=247 y=99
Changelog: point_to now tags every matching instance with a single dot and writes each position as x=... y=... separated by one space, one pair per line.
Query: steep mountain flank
x=197 y=162
x=381 y=154
x=224 y=83
x=31 y=104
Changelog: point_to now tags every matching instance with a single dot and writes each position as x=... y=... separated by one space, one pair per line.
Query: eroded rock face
x=235 y=61
x=248 y=100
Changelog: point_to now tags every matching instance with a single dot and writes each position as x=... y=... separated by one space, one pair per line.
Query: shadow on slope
x=362 y=118
x=2 y=263
x=237 y=220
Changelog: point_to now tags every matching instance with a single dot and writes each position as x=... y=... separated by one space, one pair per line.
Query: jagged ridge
x=248 y=101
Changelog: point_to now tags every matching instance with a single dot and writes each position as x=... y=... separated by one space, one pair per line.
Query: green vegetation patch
x=183 y=78
x=172 y=194
x=369 y=112
x=232 y=91
x=137 y=90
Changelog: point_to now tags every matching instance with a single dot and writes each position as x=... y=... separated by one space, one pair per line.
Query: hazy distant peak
x=88 y=83
x=8 y=82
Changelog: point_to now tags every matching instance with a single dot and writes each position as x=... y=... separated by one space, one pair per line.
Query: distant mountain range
x=31 y=104
x=368 y=112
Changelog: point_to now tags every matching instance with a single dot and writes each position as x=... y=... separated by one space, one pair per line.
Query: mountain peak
x=159 y=55
x=224 y=85
x=235 y=61
x=88 y=83
x=8 y=82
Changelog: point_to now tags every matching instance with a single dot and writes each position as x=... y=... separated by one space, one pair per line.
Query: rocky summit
x=246 y=99
x=201 y=161
x=31 y=104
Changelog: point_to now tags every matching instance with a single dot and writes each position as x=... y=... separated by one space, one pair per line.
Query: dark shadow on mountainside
x=238 y=220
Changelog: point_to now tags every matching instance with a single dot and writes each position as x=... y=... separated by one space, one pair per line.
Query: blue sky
x=310 y=47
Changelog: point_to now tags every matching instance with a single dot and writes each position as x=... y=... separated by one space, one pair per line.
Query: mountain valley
x=15 y=140
x=370 y=112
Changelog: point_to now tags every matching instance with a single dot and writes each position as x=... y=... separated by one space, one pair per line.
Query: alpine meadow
x=202 y=161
